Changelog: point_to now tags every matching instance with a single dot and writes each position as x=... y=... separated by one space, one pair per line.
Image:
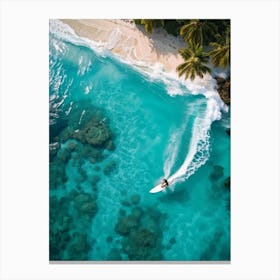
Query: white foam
x=65 y=32
x=69 y=109
x=172 y=150
x=198 y=152
x=87 y=89
x=81 y=117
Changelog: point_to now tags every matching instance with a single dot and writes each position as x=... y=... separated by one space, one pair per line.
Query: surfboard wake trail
x=199 y=149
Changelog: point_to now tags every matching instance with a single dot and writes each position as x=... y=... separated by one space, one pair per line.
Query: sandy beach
x=129 y=41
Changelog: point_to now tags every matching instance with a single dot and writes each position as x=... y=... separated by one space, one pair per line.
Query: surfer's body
x=161 y=186
x=164 y=183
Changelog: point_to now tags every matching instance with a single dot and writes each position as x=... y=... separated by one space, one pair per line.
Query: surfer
x=164 y=183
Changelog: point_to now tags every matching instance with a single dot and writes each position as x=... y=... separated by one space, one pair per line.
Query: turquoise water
x=115 y=132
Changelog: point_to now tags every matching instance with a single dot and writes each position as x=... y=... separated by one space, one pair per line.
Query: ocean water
x=115 y=132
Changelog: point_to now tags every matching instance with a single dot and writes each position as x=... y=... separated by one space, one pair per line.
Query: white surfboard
x=157 y=188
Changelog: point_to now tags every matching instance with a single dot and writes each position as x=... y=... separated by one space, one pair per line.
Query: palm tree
x=220 y=55
x=195 y=62
x=149 y=24
x=198 y=31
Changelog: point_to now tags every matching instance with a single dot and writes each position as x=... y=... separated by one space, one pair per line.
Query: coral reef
x=135 y=199
x=93 y=133
x=217 y=173
x=109 y=167
x=85 y=138
x=141 y=232
x=227 y=182
x=142 y=245
x=114 y=255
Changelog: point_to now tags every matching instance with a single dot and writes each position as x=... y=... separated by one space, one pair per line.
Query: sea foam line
x=198 y=152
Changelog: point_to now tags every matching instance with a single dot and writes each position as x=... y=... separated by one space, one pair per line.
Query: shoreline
x=158 y=50
x=126 y=40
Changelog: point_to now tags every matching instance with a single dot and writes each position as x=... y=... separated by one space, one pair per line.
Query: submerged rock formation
x=93 y=133
x=110 y=167
x=72 y=208
x=142 y=245
x=217 y=173
x=141 y=233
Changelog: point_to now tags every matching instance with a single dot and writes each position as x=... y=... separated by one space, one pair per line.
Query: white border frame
x=255 y=138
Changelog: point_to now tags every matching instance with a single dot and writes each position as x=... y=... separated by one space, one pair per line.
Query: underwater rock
x=215 y=192
x=109 y=239
x=217 y=236
x=64 y=205
x=172 y=240
x=81 y=243
x=122 y=212
x=57 y=245
x=73 y=193
x=141 y=245
x=217 y=173
x=78 y=180
x=56 y=124
x=53 y=148
x=228 y=205
x=206 y=255
x=151 y=224
x=137 y=212
x=91 y=153
x=78 y=250
x=224 y=252
x=66 y=134
x=95 y=156
x=109 y=167
x=96 y=168
x=85 y=204
x=71 y=145
x=110 y=145
x=63 y=156
x=227 y=182
x=83 y=112
x=53 y=202
x=135 y=199
x=81 y=198
x=89 y=208
x=60 y=224
x=168 y=246
x=125 y=202
x=93 y=133
x=88 y=127
x=126 y=224
x=141 y=233
x=228 y=131
x=94 y=181
x=213 y=245
x=114 y=255
x=57 y=175
x=83 y=173
x=66 y=223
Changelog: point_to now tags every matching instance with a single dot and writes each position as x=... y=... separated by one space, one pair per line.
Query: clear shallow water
x=100 y=205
